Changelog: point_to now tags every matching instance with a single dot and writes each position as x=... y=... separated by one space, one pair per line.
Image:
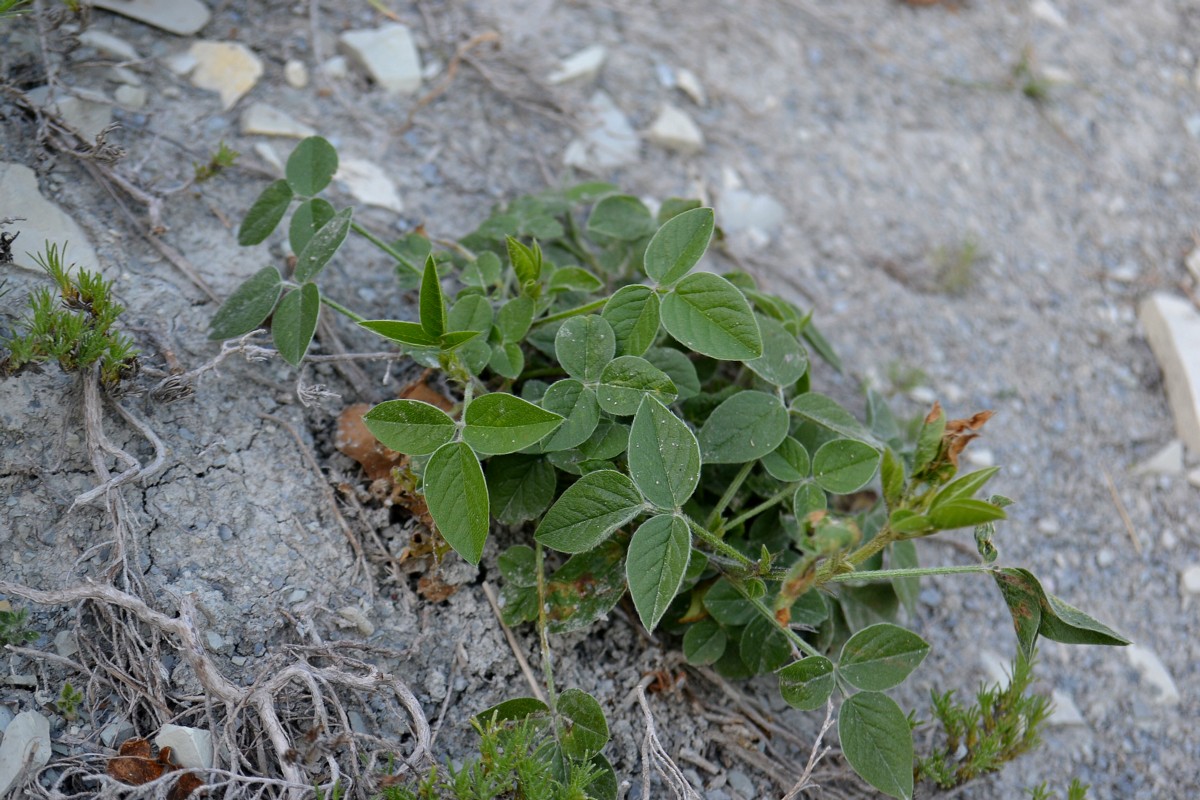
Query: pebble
x=1154 y=672
x=675 y=130
x=1172 y=327
x=1105 y=557
x=43 y=220
x=690 y=85
x=267 y=153
x=109 y=45
x=388 y=54
x=6 y=716
x=215 y=642
x=336 y=68
x=182 y=17
x=354 y=616
x=65 y=644
x=239 y=661
x=1194 y=477
x=265 y=120
x=981 y=457
x=757 y=217
x=26 y=743
x=999 y=670
x=584 y=65
x=228 y=68
x=1046 y=12
x=125 y=76
x=1190 y=579
x=923 y=395
x=297 y=596
x=115 y=731
x=86 y=111
x=190 y=747
x=1066 y=712
x=1049 y=526
x=131 y=97
x=368 y=183
x=608 y=140
x=295 y=73
x=740 y=782
x=1167 y=461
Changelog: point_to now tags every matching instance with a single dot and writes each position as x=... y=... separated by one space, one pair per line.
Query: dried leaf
x=420 y=390
x=434 y=589
x=959 y=432
x=183 y=789
x=355 y=440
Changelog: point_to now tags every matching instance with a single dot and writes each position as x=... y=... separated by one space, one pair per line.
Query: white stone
x=1172 y=328
x=690 y=85
x=183 y=17
x=109 y=45
x=295 y=73
x=759 y=216
x=1167 y=461
x=180 y=63
x=369 y=183
x=584 y=65
x=228 y=68
x=1105 y=557
x=215 y=642
x=115 y=732
x=43 y=221
x=65 y=644
x=131 y=97
x=980 y=457
x=675 y=130
x=297 y=596
x=922 y=394
x=388 y=54
x=1193 y=477
x=1065 y=712
x=1048 y=526
x=608 y=140
x=268 y=154
x=355 y=618
x=86 y=111
x=26 y=746
x=999 y=671
x=125 y=75
x=1046 y=12
x=191 y=748
x=265 y=120
x=1154 y=672
x=1192 y=262
x=1190 y=579
x=335 y=68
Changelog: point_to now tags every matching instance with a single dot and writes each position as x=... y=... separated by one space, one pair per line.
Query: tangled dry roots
x=279 y=737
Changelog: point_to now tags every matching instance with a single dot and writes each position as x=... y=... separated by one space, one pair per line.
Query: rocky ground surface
x=974 y=199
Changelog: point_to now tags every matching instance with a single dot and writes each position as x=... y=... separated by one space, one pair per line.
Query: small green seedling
x=221 y=160
x=13 y=630
x=68 y=702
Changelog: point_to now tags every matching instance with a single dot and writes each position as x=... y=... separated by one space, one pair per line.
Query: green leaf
x=514 y=710
x=457 y=496
x=498 y=423
x=577 y=405
x=584 y=346
x=843 y=466
x=929 y=440
x=626 y=380
x=789 y=462
x=784 y=360
x=248 y=306
x=589 y=511
x=664 y=456
x=808 y=498
x=454 y=339
x=620 y=217
x=763 y=647
x=574 y=279
x=410 y=426
x=633 y=313
x=323 y=244
x=308 y=218
x=711 y=316
x=909 y=522
x=747 y=426
x=604 y=785
x=655 y=564
x=704 y=642
x=586 y=731
x=964 y=513
x=727 y=605
x=1035 y=613
x=410 y=333
x=881 y=656
x=586 y=588
x=264 y=216
x=674 y=206
x=472 y=312
x=432 y=304
x=311 y=165
x=507 y=360
x=609 y=441
x=806 y=684
x=514 y=318
x=963 y=488
x=526 y=262
x=679 y=245
x=295 y=322
x=827 y=413
x=520 y=487
x=518 y=564
x=877 y=741
x=891 y=475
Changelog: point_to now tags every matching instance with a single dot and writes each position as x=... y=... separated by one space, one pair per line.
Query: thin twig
x=1112 y=490
x=448 y=79
x=815 y=755
x=534 y=686
x=655 y=756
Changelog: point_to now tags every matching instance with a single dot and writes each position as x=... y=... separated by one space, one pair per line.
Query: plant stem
x=915 y=572
x=719 y=545
x=384 y=246
x=571 y=312
x=730 y=491
x=761 y=608
x=761 y=507
x=547 y=663
x=341 y=309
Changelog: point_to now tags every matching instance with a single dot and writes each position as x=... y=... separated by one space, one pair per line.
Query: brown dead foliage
x=135 y=764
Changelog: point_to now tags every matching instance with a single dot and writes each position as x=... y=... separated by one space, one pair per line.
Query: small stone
x=1192 y=123
x=6 y=716
x=675 y=130
x=131 y=97
x=1125 y=273
x=1065 y=712
x=584 y=65
x=1172 y=328
x=1105 y=557
x=297 y=596
x=1169 y=540
x=1153 y=672
x=1167 y=461
x=86 y=111
x=43 y=220
x=180 y=63
x=355 y=618
x=295 y=73
x=1046 y=12
x=25 y=748
x=923 y=395
x=369 y=183
x=1193 y=477
x=981 y=457
x=65 y=644
x=239 y=661
x=267 y=154
x=265 y=120
x=1049 y=526
x=608 y=140
x=115 y=732
x=215 y=642
x=690 y=85
x=1192 y=262
x=125 y=76
x=1190 y=579
x=182 y=17
x=740 y=782
x=109 y=45
x=388 y=54
x=228 y=68
x=336 y=68
x=998 y=670
x=191 y=748
x=756 y=216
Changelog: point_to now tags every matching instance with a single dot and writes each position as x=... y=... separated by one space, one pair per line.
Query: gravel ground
x=957 y=238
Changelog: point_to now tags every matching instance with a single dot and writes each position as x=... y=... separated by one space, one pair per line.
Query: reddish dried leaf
x=959 y=433
x=136 y=747
x=184 y=787
x=355 y=440
x=135 y=764
x=434 y=589
x=420 y=390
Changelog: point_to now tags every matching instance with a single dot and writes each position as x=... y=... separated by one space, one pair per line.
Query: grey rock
x=191 y=747
x=754 y=217
x=368 y=183
x=1172 y=327
x=353 y=617
x=65 y=644
x=6 y=716
x=1189 y=580
x=1167 y=461
x=583 y=66
x=336 y=68
x=108 y=44
x=116 y=732
x=297 y=596
x=608 y=140
x=215 y=642
x=1065 y=712
x=131 y=97
x=740 y=782
x=43 y=220
x=267 y=153
x=675 y=130
x=1153 y=672
x=1046 y=12
x=265 y=120
x=184 y=17
x=26 y=746
x=86 y=111
x=388 y=54
x=690 y=85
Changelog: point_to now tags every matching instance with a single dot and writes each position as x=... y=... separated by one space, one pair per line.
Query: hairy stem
x=587 y=308
x=341 y=309
x=385 y=247
x=730 y=492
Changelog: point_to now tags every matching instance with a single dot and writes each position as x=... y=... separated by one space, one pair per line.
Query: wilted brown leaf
x=136 y=765
x=434 y=589
x=420 y=390
x=355 y=440
x=959 y=433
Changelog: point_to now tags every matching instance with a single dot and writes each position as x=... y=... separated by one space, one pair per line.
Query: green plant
x=12 y=627
x=222 y=159
x=73 y=325
x=13 y=8
x=1076 y=791
x=656 y=425
x=955 y=266
x=68 y=702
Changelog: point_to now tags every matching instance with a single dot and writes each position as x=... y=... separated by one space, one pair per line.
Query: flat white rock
x=1172 y=327
x=1194 y=477
x=1167 y=461
x=26 y=745
x=1046 y=12
x=265 y=120
x=87 y=111
x=1153 y=672
x=184 y=17
x=608 y=140
x=1190 y=579
x=584 y=65
x=755 y=218
x=336 y=68
x=190 y=747
x=1065 y=712
x=388 y=54
x=109 y=45
x=368 y=183
x=295 y=73
x=690 y=85
x=227 y=68
x=268 y=154
x=43 y=221
x=675 y=130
